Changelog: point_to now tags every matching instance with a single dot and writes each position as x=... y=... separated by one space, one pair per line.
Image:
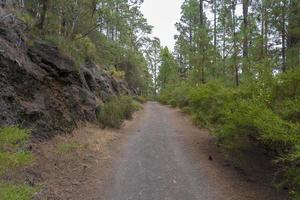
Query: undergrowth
x=258 y=113
x=115 y=111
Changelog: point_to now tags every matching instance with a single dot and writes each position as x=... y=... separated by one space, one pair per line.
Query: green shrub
x=140 y=99
x=16 y=192
x=255 y=121
x=208 y=103
x=113 y=113
x=172 y=102
x=118 y=74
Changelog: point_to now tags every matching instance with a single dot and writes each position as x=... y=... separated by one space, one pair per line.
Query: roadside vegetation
x=238 y=74
x=258 y=114
x=114 y=112
x=14 y=157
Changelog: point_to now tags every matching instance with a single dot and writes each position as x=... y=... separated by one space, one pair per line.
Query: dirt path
x=160 y=155
x=166 y=158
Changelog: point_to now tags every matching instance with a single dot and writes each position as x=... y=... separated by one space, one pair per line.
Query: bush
x=176 y=95
x=113 y=113
x=118 y=74
x=208 y=103
x=140 y=99
x=253 y=120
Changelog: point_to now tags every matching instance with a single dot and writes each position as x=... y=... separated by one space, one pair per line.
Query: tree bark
x=41 y=23
x=283 y=38
x=245 y=36
x=293 y=36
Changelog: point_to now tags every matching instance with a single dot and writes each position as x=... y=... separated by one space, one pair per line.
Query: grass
x=14 y=157
x=12 y=153
x=12 y=137
x=68 y=147
x=16 y=192
x=14 y=161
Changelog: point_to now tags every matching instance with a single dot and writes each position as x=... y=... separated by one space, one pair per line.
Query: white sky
x=163 y=14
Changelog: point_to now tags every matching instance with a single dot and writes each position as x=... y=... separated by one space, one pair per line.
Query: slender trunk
x=63 y=23
x=293 y=37
x=215 y=36
x=283 y=53
x=201 y=26
x=237 y=81
x=41 y=23
x=223 y=48
x=262 y=33
x=266 y=31
x=245 y=36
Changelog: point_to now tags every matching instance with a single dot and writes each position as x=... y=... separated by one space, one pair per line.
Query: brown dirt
x=82 y=173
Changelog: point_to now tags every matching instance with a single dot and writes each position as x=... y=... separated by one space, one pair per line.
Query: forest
x=238 y=63
x=235 y=69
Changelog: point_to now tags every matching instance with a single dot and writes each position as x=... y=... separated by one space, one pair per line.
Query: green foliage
x=179 y=93
x=140 y=99
x=68 y=147
x=26 y=18
x=13 y=161
x=263 y=114
x=168 y=69
x=16 y=192
x=113 y=113
x=251 y=119
x=12 y=155
x=118 y=74
x=79 y=50
x=208 y=103
x=108 y=32
x=12 y=137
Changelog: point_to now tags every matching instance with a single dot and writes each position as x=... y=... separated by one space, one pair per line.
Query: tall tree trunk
x=215 y=36
x=264 y=30
x=201 y=26
x=223 y=49
x=236 y=69
x=41 y=23
x=283 y=38
x=245 y=36
x=293 y=36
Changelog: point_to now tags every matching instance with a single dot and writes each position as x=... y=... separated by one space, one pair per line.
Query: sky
x=163 y=14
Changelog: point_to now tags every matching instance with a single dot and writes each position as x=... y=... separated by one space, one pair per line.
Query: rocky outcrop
x=42 y=89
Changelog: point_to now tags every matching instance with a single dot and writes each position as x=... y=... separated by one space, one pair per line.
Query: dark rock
x=43 y=90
